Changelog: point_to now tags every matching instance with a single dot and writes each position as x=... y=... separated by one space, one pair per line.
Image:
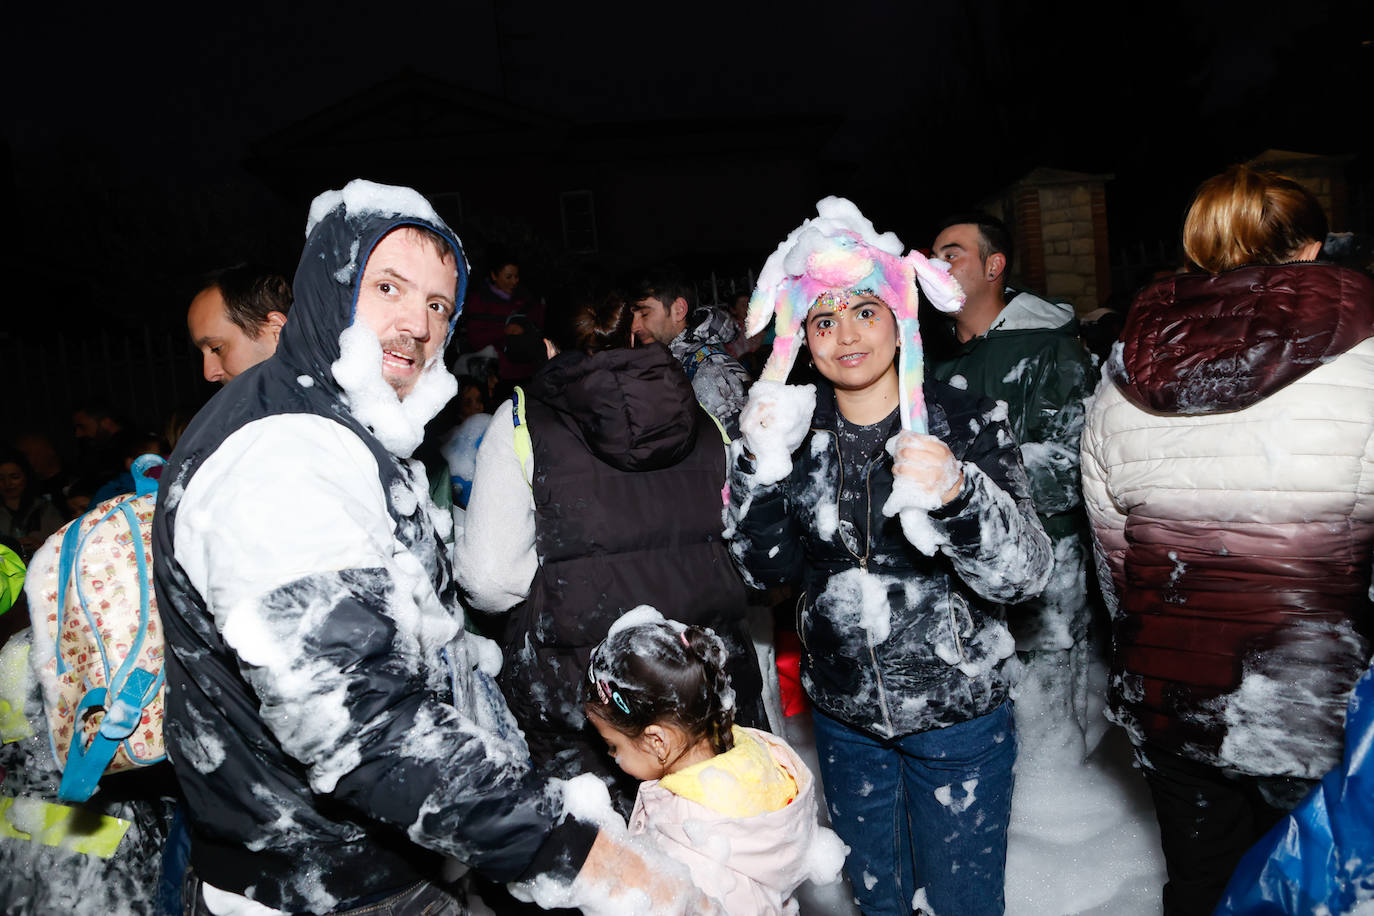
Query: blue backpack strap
x=703 y=353
x=115 y=678
x=118 y=678
x=143 y=483
x=85 y=765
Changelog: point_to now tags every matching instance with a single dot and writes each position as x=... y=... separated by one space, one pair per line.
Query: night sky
x=112 y=114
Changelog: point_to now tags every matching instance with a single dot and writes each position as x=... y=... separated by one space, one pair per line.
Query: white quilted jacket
x=1235 y=550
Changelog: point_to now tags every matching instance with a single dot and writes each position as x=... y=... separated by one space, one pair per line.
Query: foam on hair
x=1246 y=216
x=660 y=671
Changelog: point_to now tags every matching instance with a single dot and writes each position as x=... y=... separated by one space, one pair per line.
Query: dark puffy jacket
x=1227 y=462
x=895 y=642
x=628 y=474
x=297 y=818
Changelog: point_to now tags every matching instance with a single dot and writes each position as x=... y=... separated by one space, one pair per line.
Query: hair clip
x=682 y=635
x=620 y=701
x=603 y=690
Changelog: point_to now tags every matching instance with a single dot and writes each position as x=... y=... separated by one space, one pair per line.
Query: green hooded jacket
x=1032 y=359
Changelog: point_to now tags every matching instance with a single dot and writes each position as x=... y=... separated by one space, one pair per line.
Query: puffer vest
x=612 y=538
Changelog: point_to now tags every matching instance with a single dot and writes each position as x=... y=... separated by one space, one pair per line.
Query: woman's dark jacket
x=896 y=642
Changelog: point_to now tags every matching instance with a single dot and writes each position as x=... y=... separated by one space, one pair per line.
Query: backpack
x=98 y=645
x=701 y=355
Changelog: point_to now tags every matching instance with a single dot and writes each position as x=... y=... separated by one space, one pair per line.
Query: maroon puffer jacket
x=1228 y=469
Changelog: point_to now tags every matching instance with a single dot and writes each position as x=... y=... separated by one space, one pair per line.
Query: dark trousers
x=1208 y=818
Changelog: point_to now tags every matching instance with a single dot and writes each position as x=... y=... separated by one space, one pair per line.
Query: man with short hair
x=333 y=734
x=1024 y=350
x=96 y=428
x=662 y=309
x=236 y=319
x=95 y=422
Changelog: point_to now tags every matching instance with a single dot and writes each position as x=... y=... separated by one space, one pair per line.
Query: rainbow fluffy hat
x=840 y=250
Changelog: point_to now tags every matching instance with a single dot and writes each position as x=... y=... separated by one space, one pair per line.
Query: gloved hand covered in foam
x=924 y=473
x=773 y=424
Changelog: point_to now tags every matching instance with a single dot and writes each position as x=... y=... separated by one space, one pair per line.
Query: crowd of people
x=461 y=590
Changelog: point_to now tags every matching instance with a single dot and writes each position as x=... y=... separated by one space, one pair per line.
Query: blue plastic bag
x=1320 y=858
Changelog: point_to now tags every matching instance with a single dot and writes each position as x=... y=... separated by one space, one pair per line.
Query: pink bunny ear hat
x=840 y=250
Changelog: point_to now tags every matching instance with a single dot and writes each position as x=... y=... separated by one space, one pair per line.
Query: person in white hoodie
x=334 y=729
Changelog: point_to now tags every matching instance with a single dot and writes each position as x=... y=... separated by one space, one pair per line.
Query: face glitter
x=835 y=299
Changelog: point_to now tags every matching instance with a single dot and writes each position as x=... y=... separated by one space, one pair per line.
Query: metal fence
x=142 y=373
x=1133 y=266
x=721 y=289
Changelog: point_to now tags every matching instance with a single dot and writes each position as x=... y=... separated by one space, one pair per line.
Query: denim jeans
x=927 y=811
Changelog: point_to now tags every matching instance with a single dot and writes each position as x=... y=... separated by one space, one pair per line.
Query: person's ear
x=996 y=264
x=1308 y=252
x=274 y=323
x=656 y=741
x=678 y=310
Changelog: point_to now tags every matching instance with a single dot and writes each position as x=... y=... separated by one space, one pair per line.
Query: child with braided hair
x=736 y=805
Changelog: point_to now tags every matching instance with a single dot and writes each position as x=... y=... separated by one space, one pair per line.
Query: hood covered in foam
x=1200 y=344
x=319 y=340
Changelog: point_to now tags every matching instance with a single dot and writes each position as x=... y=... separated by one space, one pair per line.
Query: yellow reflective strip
x=725 y=437
x=14 y=663
x=524 y=448
x=61 y=826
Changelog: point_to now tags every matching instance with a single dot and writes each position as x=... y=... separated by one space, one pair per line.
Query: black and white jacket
x=329 y=729
x=896 y=642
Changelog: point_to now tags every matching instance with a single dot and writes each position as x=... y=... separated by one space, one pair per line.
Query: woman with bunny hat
x=901 y=508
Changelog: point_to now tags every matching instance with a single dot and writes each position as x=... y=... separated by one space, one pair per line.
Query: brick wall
x=1059 y=223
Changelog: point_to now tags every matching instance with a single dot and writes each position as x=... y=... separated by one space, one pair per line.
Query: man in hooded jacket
x=331 y=731
x=1024 y=351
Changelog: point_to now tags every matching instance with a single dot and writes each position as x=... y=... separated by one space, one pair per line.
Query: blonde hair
x=1244 y=216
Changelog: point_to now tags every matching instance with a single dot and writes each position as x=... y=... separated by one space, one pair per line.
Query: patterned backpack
x=97 y=639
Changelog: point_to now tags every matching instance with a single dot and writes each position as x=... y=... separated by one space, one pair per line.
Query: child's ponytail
x=719 y=716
